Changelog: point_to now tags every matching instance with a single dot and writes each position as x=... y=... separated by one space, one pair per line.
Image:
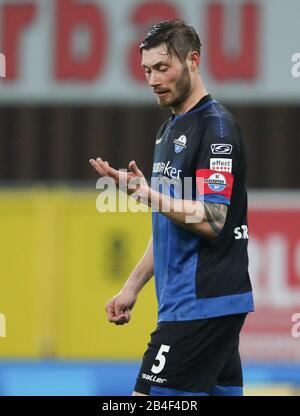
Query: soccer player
x=198 y=249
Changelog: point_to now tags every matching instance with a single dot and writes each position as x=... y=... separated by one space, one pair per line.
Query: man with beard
x=198 y=249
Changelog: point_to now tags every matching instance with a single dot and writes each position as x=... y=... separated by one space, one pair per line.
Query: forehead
x=157 y=54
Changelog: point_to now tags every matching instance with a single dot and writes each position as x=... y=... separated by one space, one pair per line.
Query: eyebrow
x=156 y=65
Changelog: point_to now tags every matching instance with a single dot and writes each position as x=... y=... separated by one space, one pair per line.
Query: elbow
x=215 y=234
x=216 y=229
x=209 y=230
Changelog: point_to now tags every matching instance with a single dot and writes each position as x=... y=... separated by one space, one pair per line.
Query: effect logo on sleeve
x=180 y=143
x=221 y=165
x=221 y=149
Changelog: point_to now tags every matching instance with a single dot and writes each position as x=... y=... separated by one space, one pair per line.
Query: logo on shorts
x=153 y=378
x=180 y=144
x=216 y=182
x=221 y=149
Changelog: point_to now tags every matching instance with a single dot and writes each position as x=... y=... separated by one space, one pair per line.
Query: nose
x=154 y=80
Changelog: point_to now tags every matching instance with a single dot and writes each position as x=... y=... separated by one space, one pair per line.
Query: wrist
x=131 y=287
x=144 y=194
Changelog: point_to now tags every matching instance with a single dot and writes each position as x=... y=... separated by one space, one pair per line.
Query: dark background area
x=54 y=143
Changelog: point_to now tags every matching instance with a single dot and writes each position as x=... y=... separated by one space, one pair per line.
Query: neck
x=198 y=91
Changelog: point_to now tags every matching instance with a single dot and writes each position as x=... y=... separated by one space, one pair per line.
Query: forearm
x=143 y=271
x=206 y=219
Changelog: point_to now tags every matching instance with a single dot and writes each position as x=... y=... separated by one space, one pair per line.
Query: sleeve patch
x=210 y=182
x=221 y=165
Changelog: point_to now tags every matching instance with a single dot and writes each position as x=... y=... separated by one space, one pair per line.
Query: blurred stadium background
x=74 y=90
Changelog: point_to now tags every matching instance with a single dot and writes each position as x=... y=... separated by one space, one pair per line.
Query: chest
x=175 y=152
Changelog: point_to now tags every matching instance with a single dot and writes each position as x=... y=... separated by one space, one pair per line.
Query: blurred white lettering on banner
x=2 y=65
x=296 y=326
x=296 y=66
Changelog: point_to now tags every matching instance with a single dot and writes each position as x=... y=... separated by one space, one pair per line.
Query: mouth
x=162 y=93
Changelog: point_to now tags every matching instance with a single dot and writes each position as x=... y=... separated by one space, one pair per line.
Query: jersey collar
x=203 y=103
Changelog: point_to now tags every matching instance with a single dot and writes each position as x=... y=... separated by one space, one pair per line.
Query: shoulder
x=220 y=124
x=220 y=120
x=163 y=127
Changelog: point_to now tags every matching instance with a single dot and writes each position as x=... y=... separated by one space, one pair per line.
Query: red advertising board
x=88 y=50
x=272 y=332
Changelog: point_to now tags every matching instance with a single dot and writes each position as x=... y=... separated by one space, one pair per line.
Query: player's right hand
x=118 y=309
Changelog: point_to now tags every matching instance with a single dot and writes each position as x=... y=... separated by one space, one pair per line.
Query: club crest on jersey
x=180 y=144
x=216 y=182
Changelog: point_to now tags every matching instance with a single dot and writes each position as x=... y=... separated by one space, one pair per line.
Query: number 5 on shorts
x=161 y=358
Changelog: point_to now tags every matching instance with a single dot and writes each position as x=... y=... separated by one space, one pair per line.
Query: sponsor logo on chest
x=166 y=169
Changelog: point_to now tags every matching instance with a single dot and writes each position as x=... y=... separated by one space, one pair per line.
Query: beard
x=182 y=90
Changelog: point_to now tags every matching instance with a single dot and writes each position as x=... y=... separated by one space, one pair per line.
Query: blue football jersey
x=200 y=155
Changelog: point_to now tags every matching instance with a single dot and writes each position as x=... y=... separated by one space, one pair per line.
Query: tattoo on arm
x=215 y=215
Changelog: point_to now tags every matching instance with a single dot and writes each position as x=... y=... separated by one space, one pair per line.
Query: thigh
x=185 y=357
x=230 y=379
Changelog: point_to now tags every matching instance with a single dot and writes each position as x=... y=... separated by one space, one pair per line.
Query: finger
x=103 y=168
x=119 y=309
x=100 y=161
x=103 y=165
x=121 y=322
x=97 y=167
x=120 y=318
x=127 y=315
x=109 y=171
x=134 y=169
x=116 y=313
x=110 y=311
x=123 y=319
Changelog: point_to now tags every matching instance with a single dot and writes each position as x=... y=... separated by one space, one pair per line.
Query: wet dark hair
x=179 y=37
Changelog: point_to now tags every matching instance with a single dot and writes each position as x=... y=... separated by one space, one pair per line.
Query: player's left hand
x=134 y=180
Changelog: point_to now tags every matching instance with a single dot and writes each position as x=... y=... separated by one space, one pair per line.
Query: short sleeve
x=217 y=160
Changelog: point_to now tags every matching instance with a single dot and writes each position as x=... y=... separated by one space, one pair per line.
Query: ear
x=193 y=60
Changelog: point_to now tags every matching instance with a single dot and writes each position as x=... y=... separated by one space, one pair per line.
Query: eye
x=163 y=68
